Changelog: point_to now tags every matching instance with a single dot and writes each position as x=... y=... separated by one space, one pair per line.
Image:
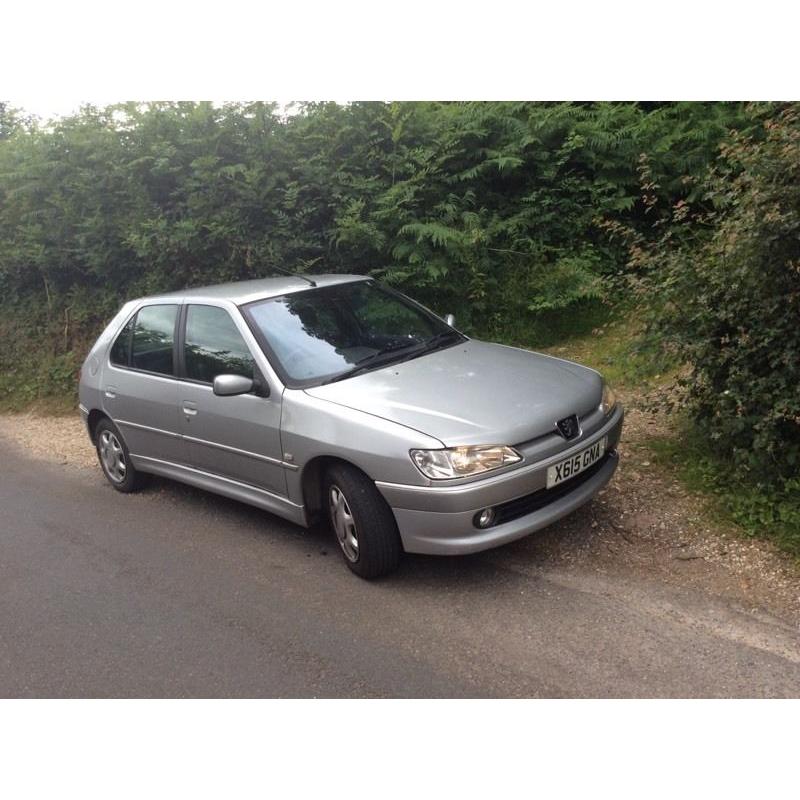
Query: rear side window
x=153 y=339
x=213 y=345
x=121 y=349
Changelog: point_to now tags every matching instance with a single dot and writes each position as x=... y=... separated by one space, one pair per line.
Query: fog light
x=483 y=519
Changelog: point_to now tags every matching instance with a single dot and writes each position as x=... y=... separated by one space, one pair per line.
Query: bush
x=727 y=282
x=481 y=209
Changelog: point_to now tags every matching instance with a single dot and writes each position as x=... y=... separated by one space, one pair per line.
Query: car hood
x=472 y=393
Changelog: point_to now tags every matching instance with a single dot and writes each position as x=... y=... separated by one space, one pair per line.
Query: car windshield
x=328 y=333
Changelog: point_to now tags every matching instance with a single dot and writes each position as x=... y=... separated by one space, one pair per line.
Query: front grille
x=514 y=509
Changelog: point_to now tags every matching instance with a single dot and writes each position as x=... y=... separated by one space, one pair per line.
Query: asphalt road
x=178 y=593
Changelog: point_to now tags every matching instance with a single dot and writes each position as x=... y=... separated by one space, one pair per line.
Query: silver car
x=333 y=397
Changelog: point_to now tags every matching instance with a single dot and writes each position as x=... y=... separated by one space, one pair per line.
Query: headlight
x=609 y=399
x=458 y=462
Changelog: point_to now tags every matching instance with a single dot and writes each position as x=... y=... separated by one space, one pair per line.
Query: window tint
x=121 y=349
x=153 y=336
x=213 y=345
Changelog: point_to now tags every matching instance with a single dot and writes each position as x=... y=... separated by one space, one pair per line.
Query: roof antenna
x=295 y=275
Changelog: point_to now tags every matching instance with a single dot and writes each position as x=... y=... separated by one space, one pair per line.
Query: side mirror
x=229 y=385
x=450 y=320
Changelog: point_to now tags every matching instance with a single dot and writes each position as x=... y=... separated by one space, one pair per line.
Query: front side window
x=213 y=345
x=153 y=339
x=323 y=334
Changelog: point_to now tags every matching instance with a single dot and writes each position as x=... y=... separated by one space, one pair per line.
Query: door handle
x=111 y=392
x=189 y=408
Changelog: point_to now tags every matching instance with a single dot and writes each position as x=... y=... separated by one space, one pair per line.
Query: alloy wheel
x=344 y=525
x=112 y=456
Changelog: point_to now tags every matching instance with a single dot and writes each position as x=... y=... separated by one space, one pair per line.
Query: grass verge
x=615 y=344
x=756 y=509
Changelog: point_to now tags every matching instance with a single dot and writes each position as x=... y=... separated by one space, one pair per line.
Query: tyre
x=362 y=522
x=115 y=460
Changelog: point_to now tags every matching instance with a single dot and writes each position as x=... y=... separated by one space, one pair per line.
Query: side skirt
x=228 y=487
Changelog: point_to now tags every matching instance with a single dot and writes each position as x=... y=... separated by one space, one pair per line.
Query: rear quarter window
x=153 y=339
x=120 y=353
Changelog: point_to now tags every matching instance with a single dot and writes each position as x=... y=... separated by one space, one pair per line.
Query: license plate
x=574 y=465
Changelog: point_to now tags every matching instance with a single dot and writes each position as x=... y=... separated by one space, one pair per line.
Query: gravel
x=58 y=439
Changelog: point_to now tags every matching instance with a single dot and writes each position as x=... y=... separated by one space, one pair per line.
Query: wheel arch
x=92 y=421
x=311 y=482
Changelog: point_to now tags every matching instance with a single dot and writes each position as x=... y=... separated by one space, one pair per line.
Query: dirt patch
x=57 y=439
x=683 y=526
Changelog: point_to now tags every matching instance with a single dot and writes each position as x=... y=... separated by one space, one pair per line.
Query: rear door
x=139 y=386
x=234 y=437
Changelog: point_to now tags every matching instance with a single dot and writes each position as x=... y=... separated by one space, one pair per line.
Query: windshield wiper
x=383 y=356
x=440 y=338
x=390 y=354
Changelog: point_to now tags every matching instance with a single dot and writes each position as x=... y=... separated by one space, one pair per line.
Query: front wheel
x=362 y=521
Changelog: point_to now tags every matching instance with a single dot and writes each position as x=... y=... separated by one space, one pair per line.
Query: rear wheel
x=115 y=460
x=362 y=522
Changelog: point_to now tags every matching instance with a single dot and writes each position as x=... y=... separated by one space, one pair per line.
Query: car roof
x=240 y=292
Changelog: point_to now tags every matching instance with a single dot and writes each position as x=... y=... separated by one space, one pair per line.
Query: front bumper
x=439 y=519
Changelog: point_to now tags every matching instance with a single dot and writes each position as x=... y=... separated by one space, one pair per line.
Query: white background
x=55 y=55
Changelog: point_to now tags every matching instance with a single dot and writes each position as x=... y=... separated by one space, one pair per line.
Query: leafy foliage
x=487 y=210
x=448 y=199
x=723 y=279
x=732 y=297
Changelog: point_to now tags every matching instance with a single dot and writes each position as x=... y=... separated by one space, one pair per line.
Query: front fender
x=313 y=428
